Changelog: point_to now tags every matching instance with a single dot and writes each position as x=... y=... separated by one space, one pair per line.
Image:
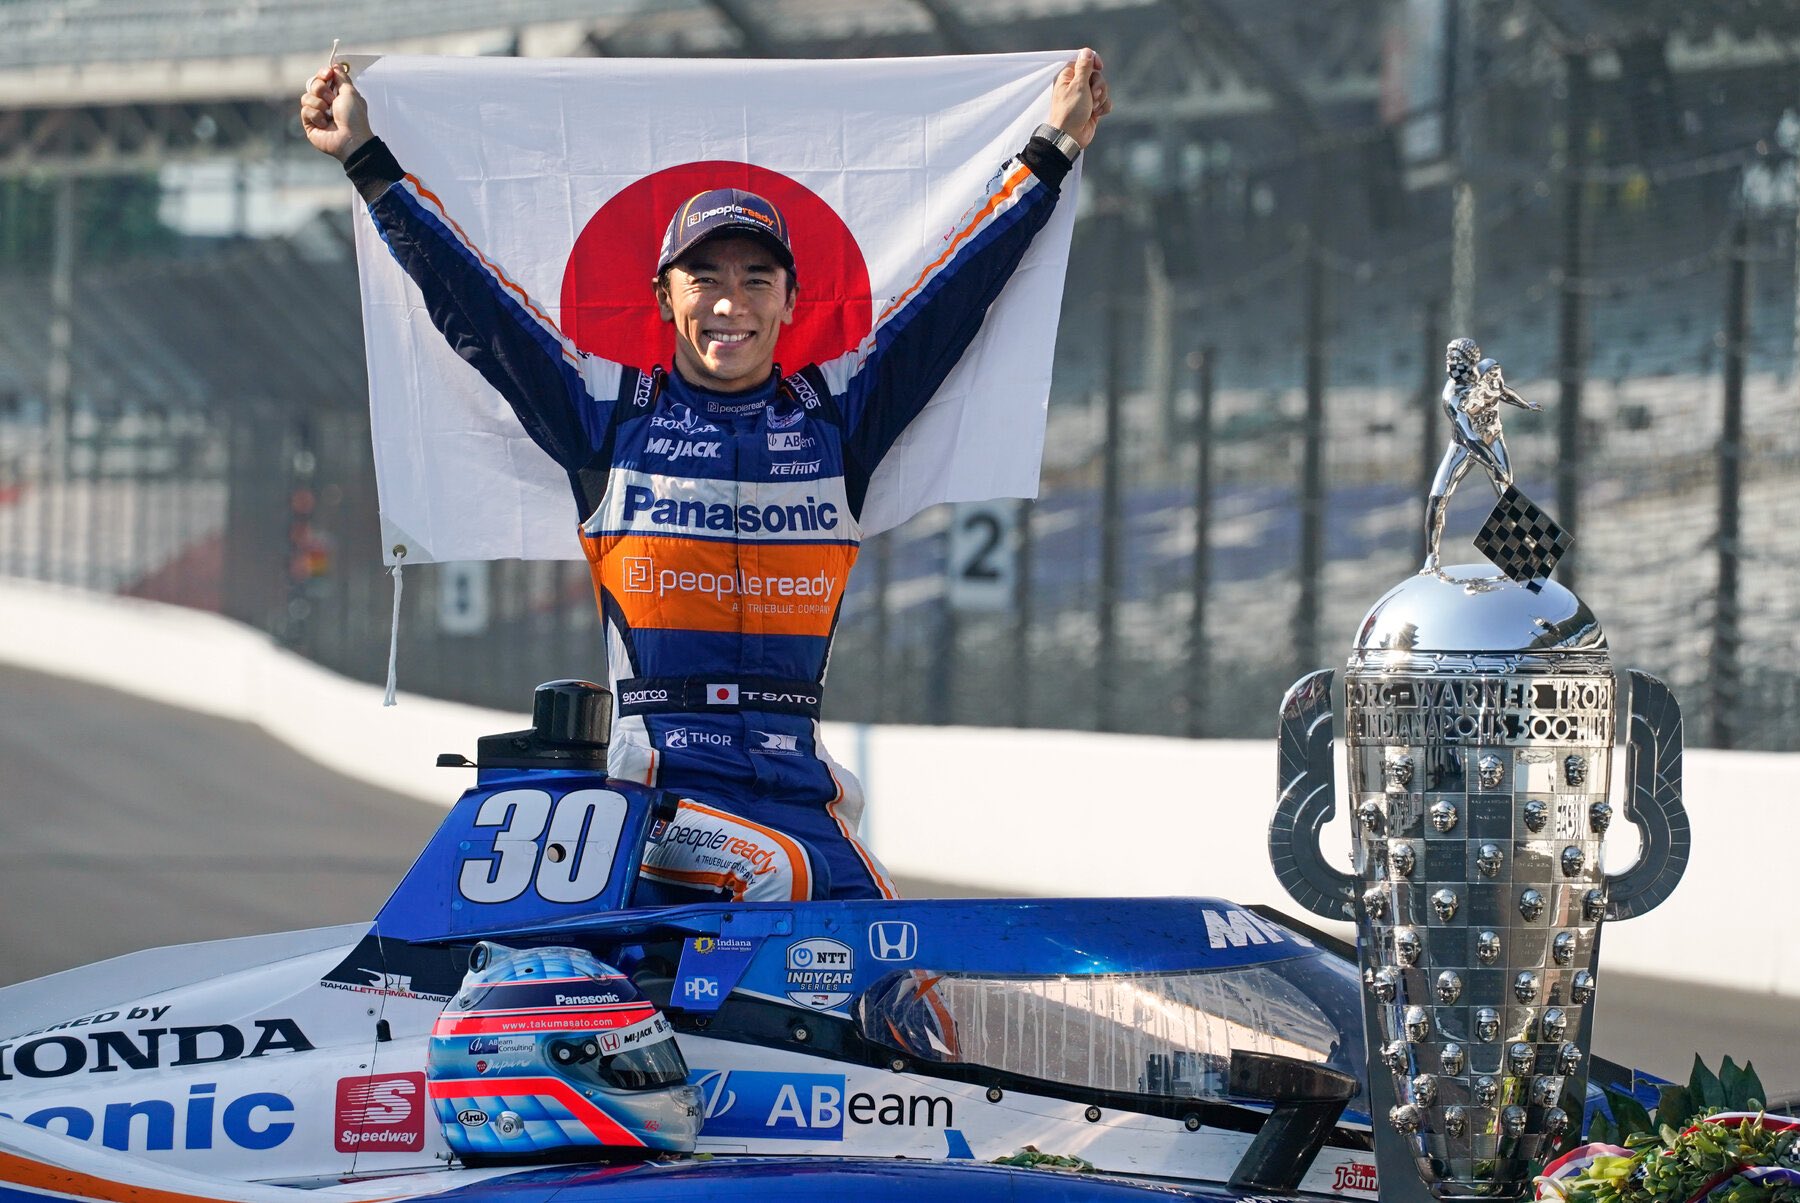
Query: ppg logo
x=893 y=940
x=698 y=988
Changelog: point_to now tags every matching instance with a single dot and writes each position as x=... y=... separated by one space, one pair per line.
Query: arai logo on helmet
x=471 y=1117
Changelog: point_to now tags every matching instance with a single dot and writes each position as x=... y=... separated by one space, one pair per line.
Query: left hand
x=1079 y=98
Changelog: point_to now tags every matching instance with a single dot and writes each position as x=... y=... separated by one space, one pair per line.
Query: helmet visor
x=644 y=1066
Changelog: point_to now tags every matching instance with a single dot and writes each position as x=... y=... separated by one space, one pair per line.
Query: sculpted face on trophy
x=1479 y=721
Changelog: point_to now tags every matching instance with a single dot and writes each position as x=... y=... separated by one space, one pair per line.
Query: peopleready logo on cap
x=724 y=211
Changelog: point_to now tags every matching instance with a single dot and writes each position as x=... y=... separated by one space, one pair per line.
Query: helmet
x=549 y=1048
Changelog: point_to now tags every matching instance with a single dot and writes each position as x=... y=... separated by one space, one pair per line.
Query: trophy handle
x=1306 y=803
x=1653 y=766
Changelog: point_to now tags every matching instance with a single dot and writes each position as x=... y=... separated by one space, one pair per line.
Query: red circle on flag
x=608 y=308
x=723 y=694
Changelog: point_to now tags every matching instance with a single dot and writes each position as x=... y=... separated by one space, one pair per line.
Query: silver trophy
x=1479 y=721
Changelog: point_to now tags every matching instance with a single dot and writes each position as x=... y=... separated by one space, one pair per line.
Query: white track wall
x=1034 y=812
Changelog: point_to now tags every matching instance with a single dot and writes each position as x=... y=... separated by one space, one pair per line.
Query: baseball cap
x=724 y=211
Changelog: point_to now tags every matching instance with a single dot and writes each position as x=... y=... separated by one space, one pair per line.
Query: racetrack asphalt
x=125 y=824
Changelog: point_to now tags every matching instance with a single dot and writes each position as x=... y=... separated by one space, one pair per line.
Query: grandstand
x=1303 y=194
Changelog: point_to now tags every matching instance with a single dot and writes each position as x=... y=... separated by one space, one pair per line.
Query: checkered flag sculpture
x=1522 y=541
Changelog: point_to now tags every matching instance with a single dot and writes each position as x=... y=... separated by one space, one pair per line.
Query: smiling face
x=728 y=299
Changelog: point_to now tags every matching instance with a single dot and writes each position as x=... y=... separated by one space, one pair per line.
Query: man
x=720 y=500
x=1472 y=396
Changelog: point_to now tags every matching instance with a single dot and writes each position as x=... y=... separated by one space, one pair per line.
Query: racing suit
x=720 y=528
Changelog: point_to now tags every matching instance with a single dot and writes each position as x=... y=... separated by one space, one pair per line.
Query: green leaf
x=1674 y=1106
x=1628 y=1113
x=1731 y=1080
x=1603 y=1130
x=1755 y=1097
x=1705 y=1086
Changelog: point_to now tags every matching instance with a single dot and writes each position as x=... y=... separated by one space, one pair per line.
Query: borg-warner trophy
x=1479 y=727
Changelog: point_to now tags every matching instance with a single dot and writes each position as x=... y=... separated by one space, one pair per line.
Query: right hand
x=334 y=114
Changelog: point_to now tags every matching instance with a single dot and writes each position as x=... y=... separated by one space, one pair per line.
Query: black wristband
x=1046 y=162
x=372 y=168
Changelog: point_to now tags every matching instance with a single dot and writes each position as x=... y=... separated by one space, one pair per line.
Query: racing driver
x=719 y=500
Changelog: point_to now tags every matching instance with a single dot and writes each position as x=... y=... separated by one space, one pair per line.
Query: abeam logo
x=760 y=1105
x=380 y=1114
x=246 y=1121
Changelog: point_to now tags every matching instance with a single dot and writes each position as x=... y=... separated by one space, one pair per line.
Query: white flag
x=560 y=172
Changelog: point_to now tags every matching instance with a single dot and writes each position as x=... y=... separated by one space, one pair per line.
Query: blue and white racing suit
x=721 y=528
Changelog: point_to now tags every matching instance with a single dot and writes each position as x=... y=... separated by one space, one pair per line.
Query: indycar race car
x=510 y=1027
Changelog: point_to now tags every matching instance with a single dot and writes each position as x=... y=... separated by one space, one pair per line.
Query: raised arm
x=922 y=333
x=561 y=396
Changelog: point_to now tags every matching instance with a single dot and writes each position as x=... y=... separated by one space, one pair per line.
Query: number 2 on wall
x=572 y=865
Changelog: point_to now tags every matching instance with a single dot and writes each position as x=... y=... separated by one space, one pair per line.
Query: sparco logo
x=109 y=1052
x=1356 y=1176
x=804 y=391
x=643 y=391
x=638 y=697
x=380 y=1113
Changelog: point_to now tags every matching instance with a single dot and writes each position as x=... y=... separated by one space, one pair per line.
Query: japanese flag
x=564 y=172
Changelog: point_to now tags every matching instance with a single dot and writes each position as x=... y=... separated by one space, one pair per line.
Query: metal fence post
x=1571 y=331
x=1312 y=468
x=1726 y=635
x=1200 y=579
x=1106 y=655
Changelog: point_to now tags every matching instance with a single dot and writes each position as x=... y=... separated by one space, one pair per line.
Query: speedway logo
x=789 y=420
x=761 y=1105
x=57 y=1056
x=380 y=1114
x=819 y=971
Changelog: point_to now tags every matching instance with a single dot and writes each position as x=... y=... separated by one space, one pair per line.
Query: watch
x=1064 y=142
